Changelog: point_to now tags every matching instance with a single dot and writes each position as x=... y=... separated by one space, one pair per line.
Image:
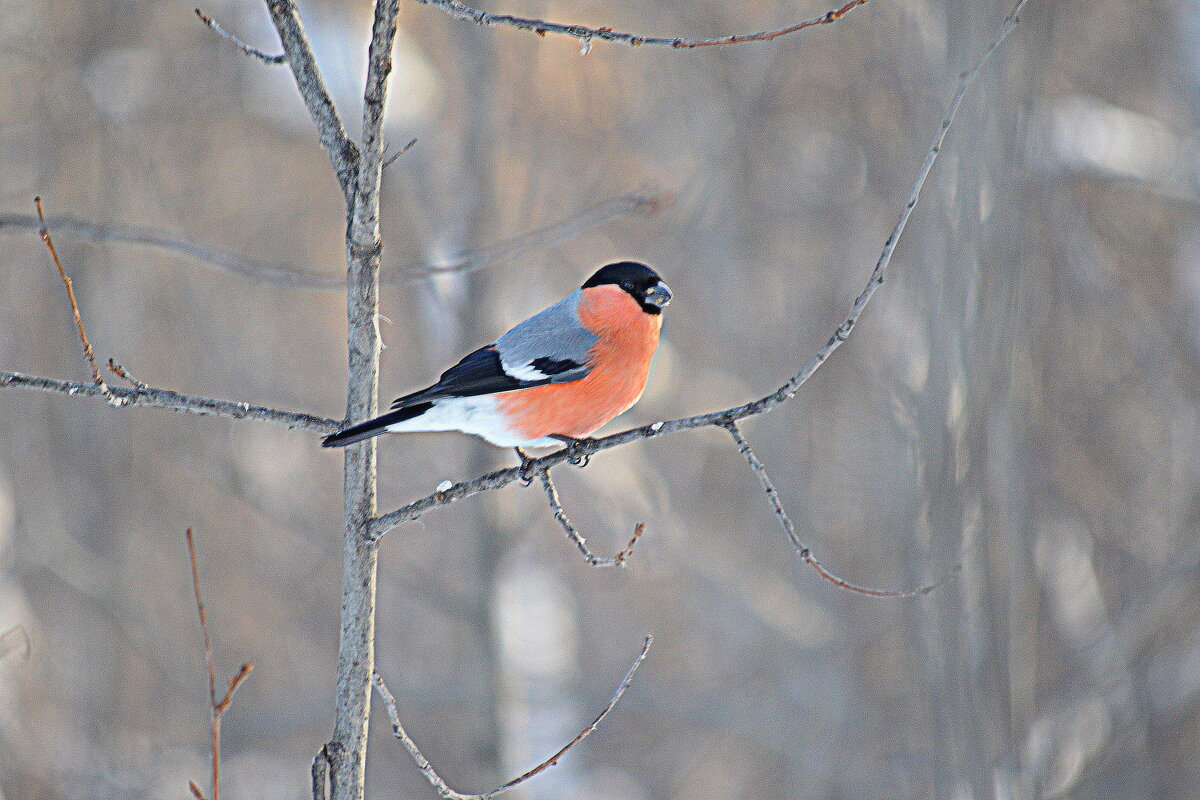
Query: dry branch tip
x=253 y=52
x=88 y=353
x=444 y=789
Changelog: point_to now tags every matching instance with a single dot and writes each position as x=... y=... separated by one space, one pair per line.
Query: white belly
x=476 y=415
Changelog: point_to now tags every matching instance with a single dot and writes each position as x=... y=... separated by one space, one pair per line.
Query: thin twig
x=444 y=789
x=462 y=12
x=392 y=158
x=217 y=709
x=149 y=397
x=253 y=52
x=575 y=536
x=503 y=477
x=638 y=530
x=802 y=549
x=120 y=372
x=642 y=202
x=113 y=400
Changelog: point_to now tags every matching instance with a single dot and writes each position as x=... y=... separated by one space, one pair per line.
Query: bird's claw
x=526 y=471
x=574 y=457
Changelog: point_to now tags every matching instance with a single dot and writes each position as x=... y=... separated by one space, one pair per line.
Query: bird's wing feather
x=552 y=345
x=549 y=347
x=478 y=373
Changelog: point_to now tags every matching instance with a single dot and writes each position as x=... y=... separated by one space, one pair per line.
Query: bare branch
x=119 y=371
x=284 y=275
x=575 y=536
x=234 y=684
x=644 y=201
x=459 y=11
x=208 y=654
x=802 y=549
x=173 y=401
x=113 y=400
x=217 y=710
x=356 y=649
x=342 y=152
x=444 y=789
x=500 y=478
x=253 y=52
x=392 y=158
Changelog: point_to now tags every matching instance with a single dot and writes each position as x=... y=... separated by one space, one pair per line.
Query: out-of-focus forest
x=1021 y=397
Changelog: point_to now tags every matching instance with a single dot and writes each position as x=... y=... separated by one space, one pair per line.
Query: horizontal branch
x=440 y=784
x=639 y=202
x=585 y=34
x=174 y=401
x=503 y=477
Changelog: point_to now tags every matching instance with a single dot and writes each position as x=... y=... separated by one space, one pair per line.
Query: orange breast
x=620 y=362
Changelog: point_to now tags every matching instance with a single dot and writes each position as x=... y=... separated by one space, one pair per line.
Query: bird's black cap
x=642 y=283
x=623 y=272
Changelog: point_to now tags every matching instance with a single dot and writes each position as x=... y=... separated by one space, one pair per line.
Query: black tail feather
x=374 y=427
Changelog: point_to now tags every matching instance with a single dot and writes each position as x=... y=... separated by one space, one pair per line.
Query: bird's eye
x=627 y=285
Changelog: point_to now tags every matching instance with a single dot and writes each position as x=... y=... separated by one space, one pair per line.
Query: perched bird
x=556 y=377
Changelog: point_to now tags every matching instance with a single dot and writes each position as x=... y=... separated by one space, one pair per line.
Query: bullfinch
x=557 y=377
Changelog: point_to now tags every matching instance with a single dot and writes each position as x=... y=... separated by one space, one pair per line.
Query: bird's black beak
x=658 y=295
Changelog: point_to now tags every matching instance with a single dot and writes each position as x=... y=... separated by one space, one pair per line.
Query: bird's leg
x=526 y=463
x=574 y=445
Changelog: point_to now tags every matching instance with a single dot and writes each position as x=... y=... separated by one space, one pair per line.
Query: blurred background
x=1021 y=396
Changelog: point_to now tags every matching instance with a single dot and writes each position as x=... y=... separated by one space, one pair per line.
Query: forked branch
x=440 y=784
x=575 y=536
x=503 y=477
x=217 y=708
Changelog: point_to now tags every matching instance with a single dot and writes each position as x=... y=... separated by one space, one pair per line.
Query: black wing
x=479 y=373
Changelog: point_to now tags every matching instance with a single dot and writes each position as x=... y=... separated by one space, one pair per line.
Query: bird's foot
x=574 y=445
x=527 y=473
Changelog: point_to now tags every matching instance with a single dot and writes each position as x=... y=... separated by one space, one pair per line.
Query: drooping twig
x=802 y=549
x=575 y=536
x=644 y=201
x=440 y=784
x=459 y=11
x=113 y=400
x=217 y=709
x=500 y=478
x=174 y=401
x=253 y=52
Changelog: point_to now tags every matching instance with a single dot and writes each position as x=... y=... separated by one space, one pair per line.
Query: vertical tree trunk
x=356 y=653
